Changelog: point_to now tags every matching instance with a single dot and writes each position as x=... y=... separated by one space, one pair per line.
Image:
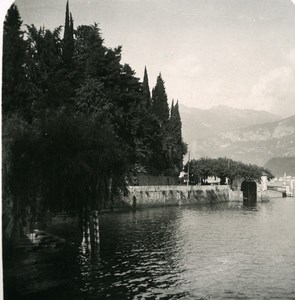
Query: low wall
x=153 y=196
x=235 y=196
x=271 y=194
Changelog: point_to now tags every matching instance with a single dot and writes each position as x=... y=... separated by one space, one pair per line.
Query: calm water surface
x=222 y=251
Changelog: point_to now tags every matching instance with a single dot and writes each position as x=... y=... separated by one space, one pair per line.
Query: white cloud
x=275 y=91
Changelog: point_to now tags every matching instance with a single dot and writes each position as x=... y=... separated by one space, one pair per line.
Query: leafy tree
x=226 y=168
x=160 y=106
x=76 y=122
x=21 y=178
x=81 y=154
x=172 y=143
x=90 y=53
x=148 y=136
x=146 y=89
x=179 y=147
x=90 y=97
x=223 y=168
x=46 y=87
x=13 y=78
x=68 y=39
x=148 y=142
x=162 y=153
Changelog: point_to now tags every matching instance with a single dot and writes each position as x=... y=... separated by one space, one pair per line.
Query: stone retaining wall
x=153 y=196
x=235 y=196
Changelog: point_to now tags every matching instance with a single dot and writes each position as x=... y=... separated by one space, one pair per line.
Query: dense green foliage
x=160 y=101
x=146 y=90
x=76 y=122
x=13 y=61
x=224 y=168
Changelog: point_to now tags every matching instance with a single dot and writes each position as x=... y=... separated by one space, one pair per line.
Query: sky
x=239 y=53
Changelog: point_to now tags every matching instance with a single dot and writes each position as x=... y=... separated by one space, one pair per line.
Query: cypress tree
x=179 y=147
x=172 y=108
x=146 y=90
x=71 y=35
x=176 y=122
x=160 y=106
x=13 y=61
x=67 y=21
x=68 y=40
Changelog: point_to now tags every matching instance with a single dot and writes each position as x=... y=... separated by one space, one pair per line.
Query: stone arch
x=237 y=182
x=249 y=189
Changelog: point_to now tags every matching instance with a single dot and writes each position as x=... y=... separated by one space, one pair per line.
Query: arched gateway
x=249 y=189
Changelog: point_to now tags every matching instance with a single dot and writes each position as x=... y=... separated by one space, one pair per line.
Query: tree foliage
x=178 y=148
x=160 y=106
x=13 y=62
x=224 y=168
x=146 y=90
x=76 y=121
x=68 y=39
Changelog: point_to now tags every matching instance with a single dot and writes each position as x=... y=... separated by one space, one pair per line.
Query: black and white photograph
x=148 y=149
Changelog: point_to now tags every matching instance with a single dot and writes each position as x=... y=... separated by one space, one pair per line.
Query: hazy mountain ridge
x=246 y=135
x=262 y=132
x=254 y=144
x=281 y=165
x=201 y=123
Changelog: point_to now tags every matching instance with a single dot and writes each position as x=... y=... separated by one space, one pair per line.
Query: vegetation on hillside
x=76 y=122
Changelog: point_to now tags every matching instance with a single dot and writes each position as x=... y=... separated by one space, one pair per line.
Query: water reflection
x=142 y=252
x=220 y=251
x=250 y=206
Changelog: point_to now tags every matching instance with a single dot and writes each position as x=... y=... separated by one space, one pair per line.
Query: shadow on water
x=250 y=206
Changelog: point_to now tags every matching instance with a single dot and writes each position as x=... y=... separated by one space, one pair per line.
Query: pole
x=188 y=163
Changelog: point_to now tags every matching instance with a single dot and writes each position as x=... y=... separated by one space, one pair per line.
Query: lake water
x=221 y=251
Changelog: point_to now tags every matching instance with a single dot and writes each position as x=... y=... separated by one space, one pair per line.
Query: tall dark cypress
x=67 y=21
x=71 y=35
x=146 y=89
x=160 y=106
x=176 y=121
x=13 y=61
x=179 y=147
x=172 y=108
x=68 y=40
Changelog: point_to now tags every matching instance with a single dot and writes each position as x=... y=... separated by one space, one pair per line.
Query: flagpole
x=188 y=165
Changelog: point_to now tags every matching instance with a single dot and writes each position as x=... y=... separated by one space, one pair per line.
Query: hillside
x=281 y=165
x=253 y=144
x=201 y=123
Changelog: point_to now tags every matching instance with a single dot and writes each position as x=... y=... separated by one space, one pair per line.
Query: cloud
x=275 y=91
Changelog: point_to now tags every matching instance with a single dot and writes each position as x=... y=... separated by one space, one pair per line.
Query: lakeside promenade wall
x=156 y=196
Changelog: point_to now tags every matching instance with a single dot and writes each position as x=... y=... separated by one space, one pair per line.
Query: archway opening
x=249 y=189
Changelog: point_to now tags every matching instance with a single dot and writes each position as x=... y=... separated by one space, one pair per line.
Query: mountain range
x=281 y=166
x=245 y=135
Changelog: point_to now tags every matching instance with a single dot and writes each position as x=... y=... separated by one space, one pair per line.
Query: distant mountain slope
x=281 y=165
x=253 y=144
x=201 y=123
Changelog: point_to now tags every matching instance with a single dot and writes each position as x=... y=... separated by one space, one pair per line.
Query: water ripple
x=202 y=252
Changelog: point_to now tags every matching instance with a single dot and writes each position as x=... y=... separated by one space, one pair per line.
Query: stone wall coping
x=151 y=188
